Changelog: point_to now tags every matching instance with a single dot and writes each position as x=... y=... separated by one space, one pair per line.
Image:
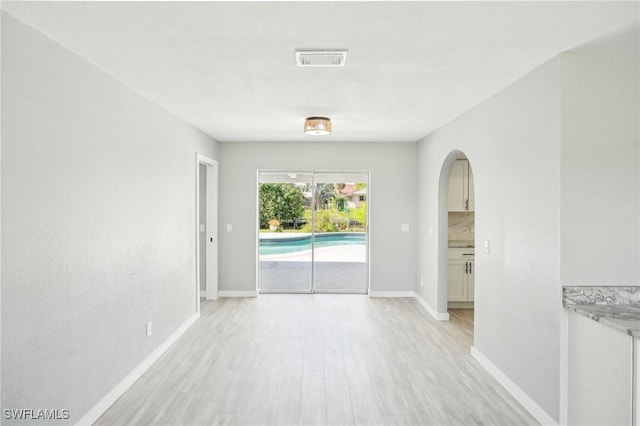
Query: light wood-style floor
x=319 y=360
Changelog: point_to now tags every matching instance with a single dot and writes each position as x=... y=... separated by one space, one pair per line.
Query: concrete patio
x=337 y=269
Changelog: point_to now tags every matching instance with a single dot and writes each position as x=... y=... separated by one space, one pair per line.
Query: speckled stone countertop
x=460 y=244
x=615 y=307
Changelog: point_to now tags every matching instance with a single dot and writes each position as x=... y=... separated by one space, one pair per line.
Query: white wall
x=555 y=162
x=98 y=215
x=1 y=316
x=513 y=144
x=391 y=200
x=600 y=187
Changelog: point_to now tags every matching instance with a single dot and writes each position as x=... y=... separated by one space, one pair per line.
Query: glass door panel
x=313 y=233
x=285 y=249
x=340 y=243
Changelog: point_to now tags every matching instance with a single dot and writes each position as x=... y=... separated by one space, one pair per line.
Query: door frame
x=313 y=174
x=211 y=228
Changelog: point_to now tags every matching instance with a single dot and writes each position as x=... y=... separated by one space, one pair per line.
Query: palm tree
x=324 y=194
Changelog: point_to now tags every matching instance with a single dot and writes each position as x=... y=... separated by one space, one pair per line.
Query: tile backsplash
x=461 y=226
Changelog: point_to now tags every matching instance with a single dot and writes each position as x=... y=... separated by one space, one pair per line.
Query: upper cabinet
x=461 y=197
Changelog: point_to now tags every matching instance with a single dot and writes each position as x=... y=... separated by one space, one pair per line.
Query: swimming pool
x=293 y=242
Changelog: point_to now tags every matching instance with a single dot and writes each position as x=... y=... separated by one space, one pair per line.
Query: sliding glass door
x=312 y=233
x=340 y=243
x=285 y=255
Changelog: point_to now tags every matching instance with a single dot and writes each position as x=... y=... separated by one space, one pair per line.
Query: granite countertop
x=615 y=307
x=461 y=244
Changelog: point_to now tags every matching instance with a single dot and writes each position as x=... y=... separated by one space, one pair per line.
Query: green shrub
x=281 y=201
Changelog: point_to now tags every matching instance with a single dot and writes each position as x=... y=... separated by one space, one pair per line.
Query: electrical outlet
x=149 y=330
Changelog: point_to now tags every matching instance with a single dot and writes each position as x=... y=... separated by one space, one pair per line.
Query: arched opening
x=456 y=240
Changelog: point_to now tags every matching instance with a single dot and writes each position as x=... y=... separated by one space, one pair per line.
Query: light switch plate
x=404 y=227
x=229 y=227
x=202 y=227
x=487 y=246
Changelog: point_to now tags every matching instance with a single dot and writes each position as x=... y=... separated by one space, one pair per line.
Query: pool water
x=300 y=243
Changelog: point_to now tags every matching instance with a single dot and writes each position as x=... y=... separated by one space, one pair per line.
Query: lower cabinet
x=600 y=374
x=460 y=272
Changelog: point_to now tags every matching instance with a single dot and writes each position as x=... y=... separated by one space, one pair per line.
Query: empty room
x=320 y=213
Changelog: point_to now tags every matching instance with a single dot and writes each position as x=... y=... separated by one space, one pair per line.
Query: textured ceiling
x=229 y=67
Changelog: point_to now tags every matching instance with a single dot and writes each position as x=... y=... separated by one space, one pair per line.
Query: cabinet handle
x=466 y=267
x=470 y=267
x=466 y=204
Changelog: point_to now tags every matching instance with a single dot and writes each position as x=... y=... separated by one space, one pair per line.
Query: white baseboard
x=94 y=413
x=529 y=404
x=391 y=293
x=440 y=316
x=244 y=293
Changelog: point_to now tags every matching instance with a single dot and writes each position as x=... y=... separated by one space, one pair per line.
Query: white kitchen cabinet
x=457 y=280
x=600 y=374
x=460 y=273
x=461 y=193
x=470 y=281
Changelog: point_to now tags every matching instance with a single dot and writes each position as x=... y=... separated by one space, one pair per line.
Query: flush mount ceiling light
x=321 y=58
x=317 y=126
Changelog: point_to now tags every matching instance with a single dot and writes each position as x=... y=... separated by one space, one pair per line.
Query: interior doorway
x=460 y=243
x=312 y=234
x=206 y=229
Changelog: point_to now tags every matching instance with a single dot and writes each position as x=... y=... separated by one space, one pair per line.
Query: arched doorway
x=456 y=258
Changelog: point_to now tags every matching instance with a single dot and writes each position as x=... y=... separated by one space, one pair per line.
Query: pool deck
x=347 y=253
x=337 y=269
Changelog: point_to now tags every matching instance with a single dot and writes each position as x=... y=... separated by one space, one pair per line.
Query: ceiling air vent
x=321 y=58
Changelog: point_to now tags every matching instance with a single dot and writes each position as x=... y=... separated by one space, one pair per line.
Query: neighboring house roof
x=350 y=189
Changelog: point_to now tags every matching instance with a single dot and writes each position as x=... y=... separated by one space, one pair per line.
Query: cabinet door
x=470 y=191
x=457 y=281
x=457 y=187
x=600 y=374
x=470 y=281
